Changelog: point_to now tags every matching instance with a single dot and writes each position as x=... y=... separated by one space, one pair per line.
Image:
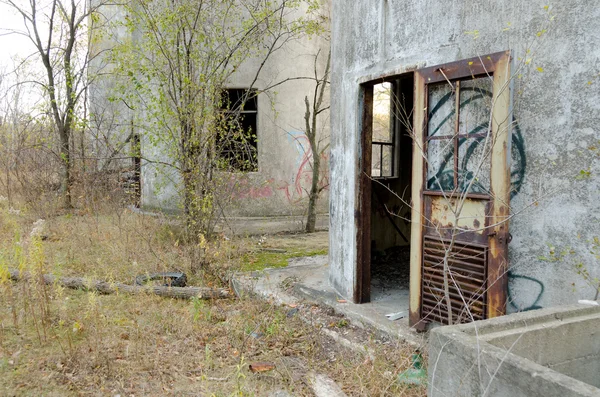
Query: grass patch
x=260 y=260
x=60 y=342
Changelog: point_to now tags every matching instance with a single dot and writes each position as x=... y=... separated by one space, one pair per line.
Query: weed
x=55 y=341
x=260 y=260
x=201 y=310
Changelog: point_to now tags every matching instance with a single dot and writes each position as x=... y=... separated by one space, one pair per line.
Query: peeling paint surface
x=471 y=218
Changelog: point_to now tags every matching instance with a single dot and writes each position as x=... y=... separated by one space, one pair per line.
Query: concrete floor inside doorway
x=306 y=279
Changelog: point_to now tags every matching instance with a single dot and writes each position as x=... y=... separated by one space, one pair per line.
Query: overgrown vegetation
x=55 y=341
x=177 y=64
x=261 y=259
x=65 y=187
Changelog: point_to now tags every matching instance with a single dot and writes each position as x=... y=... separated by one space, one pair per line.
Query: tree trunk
x=190 y=206
x=310 y=119
x=65 y=157
x=311 y=219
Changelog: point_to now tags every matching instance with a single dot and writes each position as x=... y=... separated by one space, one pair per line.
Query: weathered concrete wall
x=523 y=354
x=556 y=108
x=110 y=120
x=280 y=186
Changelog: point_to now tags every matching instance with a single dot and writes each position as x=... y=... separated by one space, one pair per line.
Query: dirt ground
x=58 y=342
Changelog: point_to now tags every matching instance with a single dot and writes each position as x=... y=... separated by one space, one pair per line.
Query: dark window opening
x=237 y=142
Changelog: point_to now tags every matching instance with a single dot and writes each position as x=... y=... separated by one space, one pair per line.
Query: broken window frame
x=392 y=144
x=236 y=112
x=454 y=73
x=458 y=174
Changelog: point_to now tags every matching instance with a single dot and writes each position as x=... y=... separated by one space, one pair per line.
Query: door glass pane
x=386 y=163
x=475 y=105
x=440 y=164
x=376 y=160
x=474 y=164
x=441 y=115
x=382 y=99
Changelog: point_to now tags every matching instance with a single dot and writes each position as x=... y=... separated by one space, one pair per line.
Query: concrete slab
x=547 y=352
x=307 y=279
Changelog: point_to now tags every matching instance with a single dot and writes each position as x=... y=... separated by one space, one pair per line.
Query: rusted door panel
x=467 y=286
x=470 y=224
x=461 y=191
x=456 y=233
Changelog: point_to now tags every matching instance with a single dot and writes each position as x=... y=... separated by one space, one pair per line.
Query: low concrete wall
x=548 y=352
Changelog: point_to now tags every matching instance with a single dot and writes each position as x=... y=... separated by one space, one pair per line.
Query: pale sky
x=15 y=47
x=12 y=44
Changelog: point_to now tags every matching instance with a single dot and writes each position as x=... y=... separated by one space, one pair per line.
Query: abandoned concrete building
x=464 y=155
x=275 y=176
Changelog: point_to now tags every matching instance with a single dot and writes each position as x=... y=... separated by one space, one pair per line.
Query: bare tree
x=177 y=71
x=315 y=140
x=59 y=31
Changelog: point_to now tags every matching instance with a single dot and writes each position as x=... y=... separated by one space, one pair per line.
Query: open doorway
x=456 y=163
x=384 y=225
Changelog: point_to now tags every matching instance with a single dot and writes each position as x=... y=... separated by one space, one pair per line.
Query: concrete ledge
x=247 y=225
x=269 y=224
x=548 y=352
x=307 y=279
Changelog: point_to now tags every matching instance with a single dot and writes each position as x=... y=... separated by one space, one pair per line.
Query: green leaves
x=583 y=174
x=180 y=56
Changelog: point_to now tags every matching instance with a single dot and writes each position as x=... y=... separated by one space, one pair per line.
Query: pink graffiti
x=241 y=189
x=294 y=190
x=304 y=172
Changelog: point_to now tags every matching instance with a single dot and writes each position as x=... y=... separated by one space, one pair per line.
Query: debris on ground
x=261 y=367
x=324 y=386
x=416 y=375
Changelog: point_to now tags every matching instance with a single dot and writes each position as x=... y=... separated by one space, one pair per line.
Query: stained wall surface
x=281 y=184
x=556 y=138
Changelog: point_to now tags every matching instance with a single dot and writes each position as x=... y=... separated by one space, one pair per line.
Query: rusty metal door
x=461 y=191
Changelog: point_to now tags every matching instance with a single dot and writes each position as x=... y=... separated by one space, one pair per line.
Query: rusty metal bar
x=456 y=126
x=479 y=196
x=500 y=189
x=473 y=67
